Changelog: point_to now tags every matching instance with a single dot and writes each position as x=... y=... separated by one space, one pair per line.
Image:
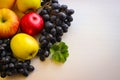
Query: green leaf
x=55 y=47
x=66 y=55
x=63 y=46
x=55 y=57
x=59 y=52
x=62 y=58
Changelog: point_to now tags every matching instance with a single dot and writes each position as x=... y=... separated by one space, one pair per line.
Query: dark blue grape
x=42 y=38
x=54 y=1
x=40 y=52
x=53 y=31
x=3 y=53
x=25 y=64
x=49 y=45
x=21 y=70
x=68 y=23
x=53 y=40
x=62 y=15
x=7 y=59
x=43 y=32
x=46 y=17
x=28 y=62
x=42 y=58
x=65 y=27
x=53 y=18
x=64 y=7
x=43 y=12
x=58 y=38
x=30 y=68
x=59 y=31
x=70 y=18
x=55 y=11
x=11 y=65
x=44 y=43
x=25 y=73
x=48 y=26
x=49 y=37
x=58 y=22
x=69 y=11
x=55 y=6
x=18 y=65
x=46 y=54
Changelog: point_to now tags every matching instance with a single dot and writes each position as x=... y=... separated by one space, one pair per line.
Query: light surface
x=94 y=44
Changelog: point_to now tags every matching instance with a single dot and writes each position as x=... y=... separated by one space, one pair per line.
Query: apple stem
x=41 y=8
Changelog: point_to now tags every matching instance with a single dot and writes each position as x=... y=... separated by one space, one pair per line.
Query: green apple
x=7 y=3
x=24 y=46
x=25 y=5
x=9 y=23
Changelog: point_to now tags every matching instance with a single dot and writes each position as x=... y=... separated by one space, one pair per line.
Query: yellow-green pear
x=25 y=5
x=7 y=3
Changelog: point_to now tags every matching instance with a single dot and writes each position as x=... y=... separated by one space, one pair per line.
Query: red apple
x=9 y=23
x=31 y=23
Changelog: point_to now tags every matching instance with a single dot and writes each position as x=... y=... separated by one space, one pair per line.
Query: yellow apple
x=24 y=46
x=25 y=5
x=7 y=3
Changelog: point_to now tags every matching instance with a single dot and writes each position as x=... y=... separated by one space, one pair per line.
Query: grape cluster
x=9 y=65
x=57 y=20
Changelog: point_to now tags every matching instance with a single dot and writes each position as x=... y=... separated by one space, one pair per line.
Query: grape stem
x=41 y=8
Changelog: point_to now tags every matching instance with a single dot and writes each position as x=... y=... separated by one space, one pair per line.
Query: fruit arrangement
x=31 y=28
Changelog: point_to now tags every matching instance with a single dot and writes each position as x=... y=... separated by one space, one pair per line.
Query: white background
x=94 y=44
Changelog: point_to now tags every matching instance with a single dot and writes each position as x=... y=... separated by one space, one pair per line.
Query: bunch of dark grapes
x=57 y=20
x=9 y=65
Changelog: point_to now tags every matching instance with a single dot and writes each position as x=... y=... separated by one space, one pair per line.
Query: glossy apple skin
x=9 y=23
x=31 y=23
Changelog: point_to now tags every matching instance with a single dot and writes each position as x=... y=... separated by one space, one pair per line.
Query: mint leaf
x=59 y=52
